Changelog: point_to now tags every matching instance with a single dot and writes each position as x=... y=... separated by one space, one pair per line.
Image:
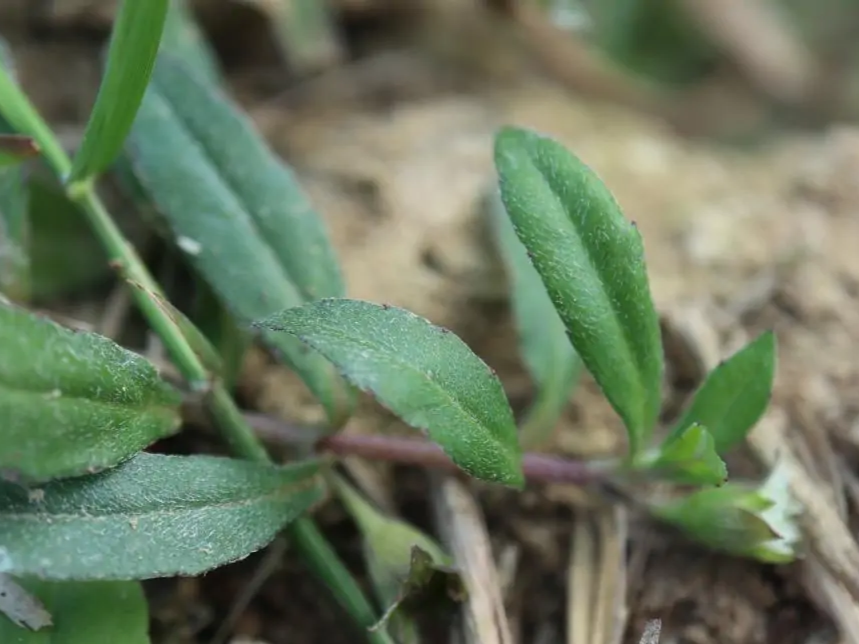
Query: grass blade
x=423 y=373
x=131 y=56
x=591 y=260
x=237 y=213
x=152 y=516
x=551 y=360
x=85 y=613
x=73 y=403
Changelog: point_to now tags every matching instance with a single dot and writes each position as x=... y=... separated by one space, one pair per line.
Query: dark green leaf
x=691 y=457
x=85 y=613
x=152 y=516
x=182 y=38
x=236 y=212
x=72 y=403
x=591 y=260
x=735 y=394
x=549 y=356
x=65 y=255
x=268 y=191
x=131 y=56
x=423 y=373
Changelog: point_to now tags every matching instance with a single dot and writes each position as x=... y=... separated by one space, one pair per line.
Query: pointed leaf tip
x=74 y=402
x=735 y=394
x=591 y=261
x=423 y=373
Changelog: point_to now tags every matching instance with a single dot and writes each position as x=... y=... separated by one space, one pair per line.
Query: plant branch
x=310 y=542
x=538 y=468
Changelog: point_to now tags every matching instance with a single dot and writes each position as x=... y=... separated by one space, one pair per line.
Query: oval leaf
x=130 y=58
x=591 y=260
x=235 y=212
x=152 y=516
x=549 y=356
x=72 y=403
x=423 y=373
x=735 y=394
x=691 y=457
x=269 y=192
x=85 y=613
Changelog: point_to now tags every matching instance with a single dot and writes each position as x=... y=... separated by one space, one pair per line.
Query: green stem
x=311 y=543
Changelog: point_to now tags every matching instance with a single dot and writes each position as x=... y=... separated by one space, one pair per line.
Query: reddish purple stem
x=544 y=468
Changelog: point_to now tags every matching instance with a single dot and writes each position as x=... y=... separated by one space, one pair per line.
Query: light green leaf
x=236 y=212
x=85 y=613
x=690 y=457
x=388 y=552
x=736 y=518
x=735 y=394
x=423 y=373
x=591 y=260
x=72 y=403
x=152 y=516
x=549 y=356
x=130 y=59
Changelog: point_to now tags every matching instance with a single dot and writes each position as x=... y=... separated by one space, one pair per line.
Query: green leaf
x=736 y=518
x=85 y=613
x=152 y=516
x=401 y=560
x=735 y=394
x=591 y=260
x=183 y=38
x=549 y=356
x=130 y=59
x=73 y=403
x=237 y=213
x=423 y=373
x=690 y=457
x=65 y=255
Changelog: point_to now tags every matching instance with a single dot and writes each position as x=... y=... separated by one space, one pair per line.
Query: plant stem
x=309 y=541
x=538 y=468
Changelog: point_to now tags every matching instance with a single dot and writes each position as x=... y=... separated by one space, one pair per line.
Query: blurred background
x=725 y=128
